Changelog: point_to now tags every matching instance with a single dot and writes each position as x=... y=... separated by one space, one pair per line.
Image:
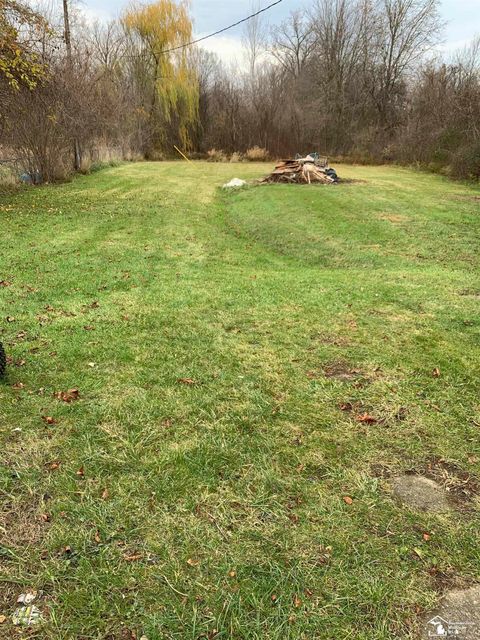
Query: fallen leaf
x=89 y=327
x=105 y=494
x=186 y=381
x=3 y=619
x=68 y=396
x=297 y=602
x=347 y=500
x=426 y=537
x=345 y=406
x=193 y=563
x=274 y=597
x=97 y=537
x=53 y=466
x=45 y=517
x=81 y=472
x=49 y=420
x=10 y=319
x=436 y=372
x=5 y=283
x=366 y=418
x=132 y=557
x=232 y=574
x=91 y=365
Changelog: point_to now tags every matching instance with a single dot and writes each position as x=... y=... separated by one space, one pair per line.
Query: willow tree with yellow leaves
x=167 y=82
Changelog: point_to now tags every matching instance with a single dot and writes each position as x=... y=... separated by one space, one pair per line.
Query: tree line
x=354 y=79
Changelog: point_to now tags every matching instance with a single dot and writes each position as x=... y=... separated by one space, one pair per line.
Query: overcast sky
x=462 y=17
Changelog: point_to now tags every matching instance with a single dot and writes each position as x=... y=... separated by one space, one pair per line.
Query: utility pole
x=68 y=44
x=68 y=40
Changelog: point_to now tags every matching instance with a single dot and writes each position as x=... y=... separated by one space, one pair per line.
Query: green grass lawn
x=225 y=347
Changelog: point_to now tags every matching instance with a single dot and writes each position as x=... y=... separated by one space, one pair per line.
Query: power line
x=235 y=24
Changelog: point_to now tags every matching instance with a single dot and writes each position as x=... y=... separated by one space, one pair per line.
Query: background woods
x=353 y=78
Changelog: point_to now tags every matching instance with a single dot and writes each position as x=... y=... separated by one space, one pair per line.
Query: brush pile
x=305 y=170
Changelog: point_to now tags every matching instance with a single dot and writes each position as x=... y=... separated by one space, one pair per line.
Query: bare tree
x=254 y=39
x=107 y=43
x=405 y=31
x=348 y=77
x=293 y=43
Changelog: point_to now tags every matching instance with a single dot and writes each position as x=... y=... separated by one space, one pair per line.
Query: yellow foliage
x=18 y=65
x=161 y=26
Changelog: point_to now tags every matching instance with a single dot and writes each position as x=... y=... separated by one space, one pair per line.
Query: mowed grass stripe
x=217 y=504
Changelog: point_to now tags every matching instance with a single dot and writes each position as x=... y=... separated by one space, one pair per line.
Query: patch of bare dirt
x=465 y=197
x=394 y=218
x=461 y=486
x=9 y=593
x=331 y=339
x=341 y=370
x=380 y=471
x=21 y=531
x=351 y=181
x=447 y=579
x=21 y=525
x=472 y=293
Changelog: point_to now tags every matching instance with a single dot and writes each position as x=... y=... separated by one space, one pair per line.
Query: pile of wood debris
x=305 y=170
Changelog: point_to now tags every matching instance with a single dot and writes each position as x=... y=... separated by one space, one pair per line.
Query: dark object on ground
x=31 y=178
x=332 y=173
x=3 y=361
x=312 y=168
